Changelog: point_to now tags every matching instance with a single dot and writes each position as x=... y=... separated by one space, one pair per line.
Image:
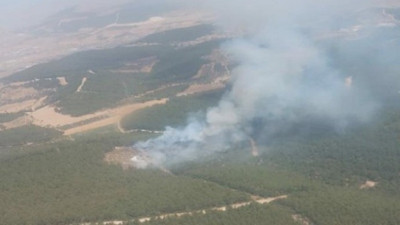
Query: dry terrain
x=36 y=105
x=144 y=65
x=18 y=53
x=15 y=98
x=49 y=117
x=368 y=184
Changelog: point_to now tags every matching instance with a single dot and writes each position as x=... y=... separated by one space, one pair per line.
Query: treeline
x=252 y=178
x=331 y=205
x=69 y=182
x=108 y=86
x=7 y=117
x=27 y=134
x=78 y=64
x=368 y=152
x=179 y=35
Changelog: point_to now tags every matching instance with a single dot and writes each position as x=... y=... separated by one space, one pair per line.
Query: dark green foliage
x=368 y=152
x=179 y=35
x=7 y=117
x=54 y=181
x=252 y=178
x=107 y=87
x=69 y=182
x=174 y=113
x=103 y=90
x=27 y=134
x=346 y=206
x=79 y=63
x=183 y=63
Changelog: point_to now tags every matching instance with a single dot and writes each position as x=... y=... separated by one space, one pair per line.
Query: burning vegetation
x=129 y=157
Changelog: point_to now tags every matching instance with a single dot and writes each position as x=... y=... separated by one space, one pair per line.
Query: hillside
x=189 y=124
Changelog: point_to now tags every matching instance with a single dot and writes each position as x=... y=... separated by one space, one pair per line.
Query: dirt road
x=49 y=117
x=256 y=199
x=116 y=115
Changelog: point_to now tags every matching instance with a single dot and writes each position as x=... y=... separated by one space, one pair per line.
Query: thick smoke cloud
x=299 y=61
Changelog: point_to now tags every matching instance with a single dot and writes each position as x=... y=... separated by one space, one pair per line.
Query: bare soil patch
x=115 y=116
x=18 y=107
x=82 y=84
x=19 y=53
x=218 y=83
x=62 y=81
x=49 y=117
x=300 y=219
x=19 y=122
x=368 y=184
x=15 y=93
x=203 y=39
x=144 y=65
x=121 y=156
x=191 y=213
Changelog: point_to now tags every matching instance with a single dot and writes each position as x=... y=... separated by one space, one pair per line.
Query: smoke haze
x=299 y=60
x=20 y=15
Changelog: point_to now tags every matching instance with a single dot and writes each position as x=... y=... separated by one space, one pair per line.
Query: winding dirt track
x=255 y=199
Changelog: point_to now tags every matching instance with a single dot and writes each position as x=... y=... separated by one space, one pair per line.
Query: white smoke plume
x=286 y=73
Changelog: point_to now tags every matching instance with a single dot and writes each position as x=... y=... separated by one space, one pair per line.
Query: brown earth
x=300 y=219
x=121 y=156
x=15 y=93
x=368 y=184
x=62 y=81
x=19 y=122
x=18 y=54
x=81 y=85
x=144 y=65
x=18 y=107
x=116 y=115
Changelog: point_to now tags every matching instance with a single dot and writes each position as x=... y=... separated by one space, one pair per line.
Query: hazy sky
x=22 y=13
x=16 y=14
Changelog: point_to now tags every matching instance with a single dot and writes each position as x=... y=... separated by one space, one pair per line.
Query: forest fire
x=129 y=157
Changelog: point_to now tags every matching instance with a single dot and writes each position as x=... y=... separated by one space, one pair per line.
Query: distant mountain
x=72 y=19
